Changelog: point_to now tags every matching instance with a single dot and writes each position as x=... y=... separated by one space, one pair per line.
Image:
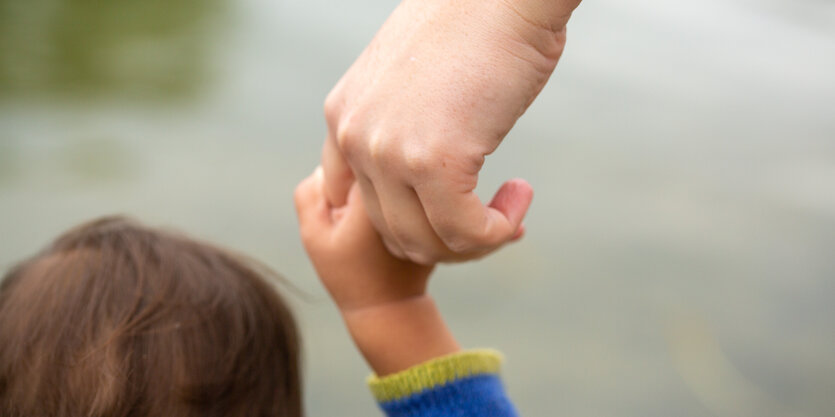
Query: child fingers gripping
x=419 y=367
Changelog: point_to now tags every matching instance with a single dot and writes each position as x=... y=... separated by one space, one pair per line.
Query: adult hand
x=437 y=90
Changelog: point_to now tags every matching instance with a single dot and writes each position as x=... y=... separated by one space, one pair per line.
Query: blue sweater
x=465 y=384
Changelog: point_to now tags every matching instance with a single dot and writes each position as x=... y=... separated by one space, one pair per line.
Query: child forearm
x=396 y=336
x=420 y=370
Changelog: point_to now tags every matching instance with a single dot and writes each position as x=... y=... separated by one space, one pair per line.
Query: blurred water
x=679 y=258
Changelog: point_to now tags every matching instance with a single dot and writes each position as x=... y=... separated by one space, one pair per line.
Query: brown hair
x=114 y=319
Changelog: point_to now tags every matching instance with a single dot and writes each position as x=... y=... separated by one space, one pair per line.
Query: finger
x=355 y=220
x=375 y=214
x=513 y=199
x=311 y=207
x=409 y=226
x=337 y=172
x=465 y=224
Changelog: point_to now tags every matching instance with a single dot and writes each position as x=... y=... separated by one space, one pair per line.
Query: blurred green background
x=680 y=256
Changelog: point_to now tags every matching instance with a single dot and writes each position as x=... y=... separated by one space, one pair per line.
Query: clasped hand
x=412 y=120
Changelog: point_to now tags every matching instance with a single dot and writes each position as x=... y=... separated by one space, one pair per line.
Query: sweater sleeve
x=464 y=384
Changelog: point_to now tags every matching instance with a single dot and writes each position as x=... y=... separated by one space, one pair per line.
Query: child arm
x=419 y=368
x=382 y=299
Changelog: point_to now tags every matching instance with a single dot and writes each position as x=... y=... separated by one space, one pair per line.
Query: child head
x=115 y=319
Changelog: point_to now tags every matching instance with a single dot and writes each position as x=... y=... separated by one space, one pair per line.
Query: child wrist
x=395 y=336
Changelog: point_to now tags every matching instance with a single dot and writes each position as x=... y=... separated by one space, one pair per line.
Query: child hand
x=349 y=255
x=382 y=299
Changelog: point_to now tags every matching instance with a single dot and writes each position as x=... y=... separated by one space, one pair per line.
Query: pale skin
x=382 y=299
x=413 y=118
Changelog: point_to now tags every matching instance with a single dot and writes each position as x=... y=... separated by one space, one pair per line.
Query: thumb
x=513 y=199
x=338 y=174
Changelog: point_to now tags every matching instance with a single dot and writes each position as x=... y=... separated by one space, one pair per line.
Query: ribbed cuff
x=435 y=373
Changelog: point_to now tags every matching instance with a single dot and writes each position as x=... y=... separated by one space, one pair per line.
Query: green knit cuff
x=434 y=373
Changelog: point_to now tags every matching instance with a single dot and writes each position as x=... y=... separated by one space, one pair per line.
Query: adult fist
x=437 y=90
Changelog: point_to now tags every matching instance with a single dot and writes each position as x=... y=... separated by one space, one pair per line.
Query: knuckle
x=379 y=149
x=420 y=162
x=389 y=150
x=432 y=159
x=332 y=107
x=348 y=135
x=386 y=153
